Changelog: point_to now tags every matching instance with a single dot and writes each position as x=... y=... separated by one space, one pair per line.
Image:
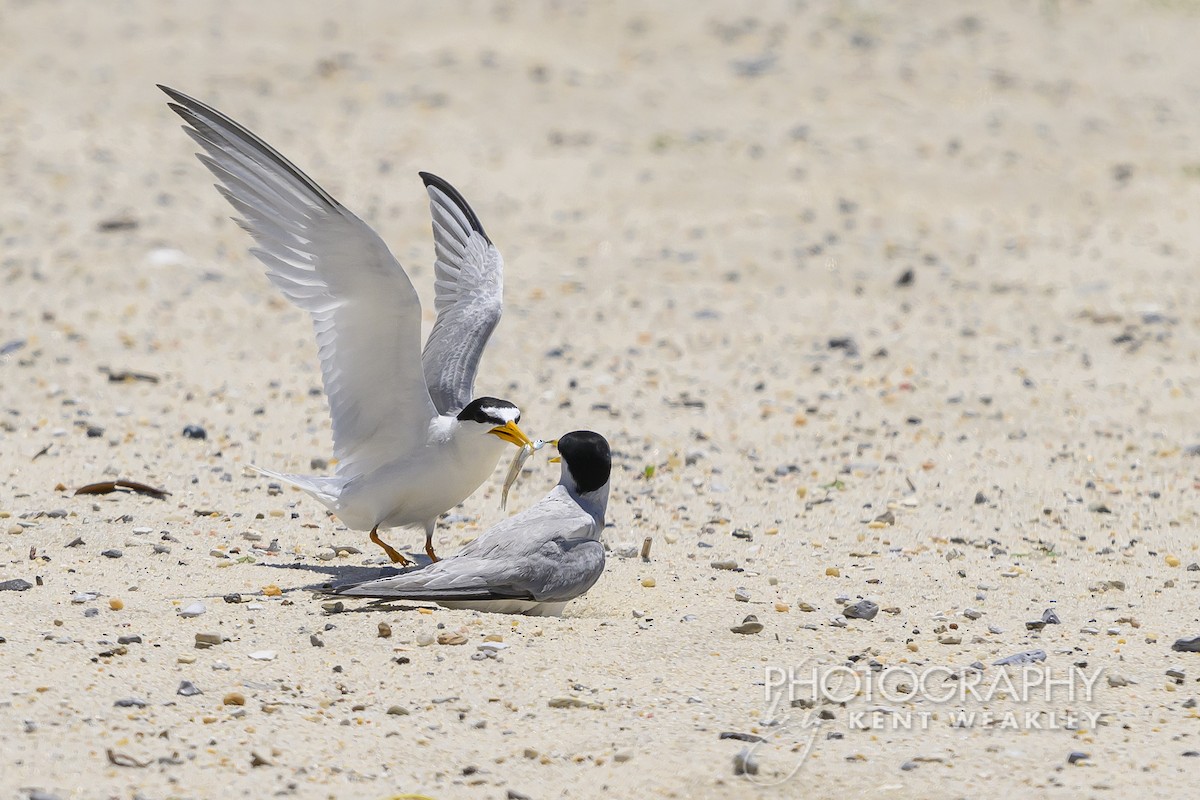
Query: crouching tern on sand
x=410 y=441
x=531 y=563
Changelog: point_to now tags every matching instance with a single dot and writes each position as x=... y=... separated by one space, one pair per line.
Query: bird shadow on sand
x=338 y=575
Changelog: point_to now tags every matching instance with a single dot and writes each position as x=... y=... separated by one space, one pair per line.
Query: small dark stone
x=1077 y=756
x=863 y=609
x=15 y=585
x=232 y=598
x=744 y=763
x=1191 y=645
x=844 y=343
x=908 y=766
x=134 y=639
x=188 y=689
x=906 y=278
x=75 y=542
x=741 y=737
x=316 y=641
x=94 y=431
x=116 y=224
x=1024 y=657
x=111 y=553
x=1050 y=617
x=1035 y=625
x=980 y=498
x=195 y=432
x=131 y=702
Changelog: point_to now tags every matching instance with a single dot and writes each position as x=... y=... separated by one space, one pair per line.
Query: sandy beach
x=889 y=312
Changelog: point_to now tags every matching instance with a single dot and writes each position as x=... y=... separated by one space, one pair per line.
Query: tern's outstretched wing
x=334 y=266
x=469 y=275
x=549 y=553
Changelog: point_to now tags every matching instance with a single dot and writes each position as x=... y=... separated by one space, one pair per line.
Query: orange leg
x=430 y=527
x=392 y=552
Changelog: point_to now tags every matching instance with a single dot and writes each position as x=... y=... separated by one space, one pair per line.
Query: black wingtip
x=442 y=185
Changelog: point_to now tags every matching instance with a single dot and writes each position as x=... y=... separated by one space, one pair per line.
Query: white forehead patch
x=506 y=414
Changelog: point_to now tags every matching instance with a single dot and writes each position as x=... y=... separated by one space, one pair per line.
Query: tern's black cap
x=587 y=455
x=490 y=411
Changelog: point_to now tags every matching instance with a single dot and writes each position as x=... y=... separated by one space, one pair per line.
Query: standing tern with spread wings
x=410 y=441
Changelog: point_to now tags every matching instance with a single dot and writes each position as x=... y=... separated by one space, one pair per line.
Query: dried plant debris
x=128 y=376
x=121 y=485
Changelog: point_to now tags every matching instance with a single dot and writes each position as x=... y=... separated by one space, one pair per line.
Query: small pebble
x=131 y=702
x=1191 y=645
x=750 y=625
x=316 y=641
x=232 y=598
x=863 y=609
x=187 y=689
x=193 y=610
x=1050 y=617
x=115 y=603
x=133 y=639
x=195 y=432
x=451 y=638
x=971 y=613
x=111 y=553
x=649 y=583
x=208 y=639
x=271 y=590
x=262 y=655
x=1025 y=657
x=833 y=572
x=398 y=711
x=425 y=638
x=91 y=612
x=727 y=564
x=15 y=585
x=744 y=763
x=741 y=594
x=234 y=699
x=385 y=630
x=1173 y=561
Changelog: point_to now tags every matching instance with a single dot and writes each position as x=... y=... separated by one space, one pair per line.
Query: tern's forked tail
x=326 y=490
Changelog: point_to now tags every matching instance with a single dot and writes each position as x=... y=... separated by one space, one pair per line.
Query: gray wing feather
x=548 y=553
x=469 y=286
x=365 y=312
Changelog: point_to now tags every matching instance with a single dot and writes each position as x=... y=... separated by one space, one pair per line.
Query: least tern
x=531 y=563
x=410 y=441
